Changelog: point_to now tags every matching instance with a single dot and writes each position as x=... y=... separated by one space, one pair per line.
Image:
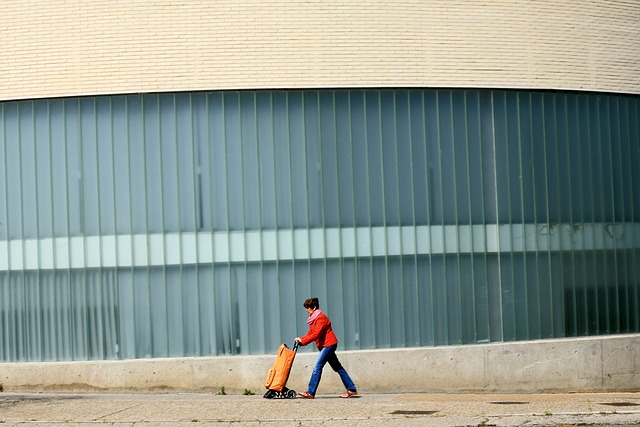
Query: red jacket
x=320 y=331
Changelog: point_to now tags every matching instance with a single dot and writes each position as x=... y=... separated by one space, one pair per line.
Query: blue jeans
x=328 y=354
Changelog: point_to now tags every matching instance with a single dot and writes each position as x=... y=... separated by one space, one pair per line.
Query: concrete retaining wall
x=567 y=365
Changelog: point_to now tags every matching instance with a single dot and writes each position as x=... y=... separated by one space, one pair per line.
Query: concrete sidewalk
x=155 y=409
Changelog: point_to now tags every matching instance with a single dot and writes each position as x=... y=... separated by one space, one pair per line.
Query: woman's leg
x=344 y=376
x=324 y=355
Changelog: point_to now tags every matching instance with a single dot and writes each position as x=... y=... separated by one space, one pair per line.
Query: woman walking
x=320 y=331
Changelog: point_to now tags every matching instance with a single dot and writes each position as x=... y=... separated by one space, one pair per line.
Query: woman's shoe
x=349 y=394
x=306 y=395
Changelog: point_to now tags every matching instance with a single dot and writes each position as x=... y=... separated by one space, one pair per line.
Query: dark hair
x=311 y=303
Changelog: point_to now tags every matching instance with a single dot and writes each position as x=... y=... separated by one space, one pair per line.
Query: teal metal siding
x=194 y=224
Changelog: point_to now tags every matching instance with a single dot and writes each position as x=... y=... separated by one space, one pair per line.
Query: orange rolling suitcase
x=279 y=374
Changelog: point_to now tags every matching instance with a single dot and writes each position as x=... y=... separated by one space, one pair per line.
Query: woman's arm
x=315 y=329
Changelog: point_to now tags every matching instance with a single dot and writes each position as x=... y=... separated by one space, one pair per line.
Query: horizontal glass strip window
x=288 y=245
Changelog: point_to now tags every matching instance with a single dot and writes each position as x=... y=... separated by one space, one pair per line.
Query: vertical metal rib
x=260 y=296
x=525 y=275
x=460 y=318
x=614 y=205
x=229 y=187
x=560 y=302
x=513 y=321
x=357 y=282
x=57 y=353
x=102 y=309
x=243 y=326
x=572 y=219
x=538 y=327
x=473 y=314
x=213 y=309
x=131 y=248
x=371 y=307
x=446 y=333
x=287 y=112
x=71 y=319
x=180 y=227
x=41 y=327
x=602 y=286
x=338 y=207
x=24 y=309
x=275 y=199
x=428 y=184
x=384 y=217
x=484 y=183
x=594 y=264
x=497 y=213
x=163 y=231
x=145 y=186
x=415 y=302
x=397 y=289
x=633 y=122
x=116 y=276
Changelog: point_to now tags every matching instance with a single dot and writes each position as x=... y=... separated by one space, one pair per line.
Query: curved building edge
x=57 y=49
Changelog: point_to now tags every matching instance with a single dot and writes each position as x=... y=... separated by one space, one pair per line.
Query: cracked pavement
x=414 y=409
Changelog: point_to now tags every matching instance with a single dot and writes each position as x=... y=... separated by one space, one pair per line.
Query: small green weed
x=222 y=391
x=248 y=392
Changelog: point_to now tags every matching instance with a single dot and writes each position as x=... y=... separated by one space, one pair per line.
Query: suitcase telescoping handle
x=296 y=344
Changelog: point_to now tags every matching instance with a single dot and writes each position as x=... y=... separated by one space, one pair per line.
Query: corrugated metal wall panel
x=196 y=223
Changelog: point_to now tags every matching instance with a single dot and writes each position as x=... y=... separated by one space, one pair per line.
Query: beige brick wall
x=70 y=47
